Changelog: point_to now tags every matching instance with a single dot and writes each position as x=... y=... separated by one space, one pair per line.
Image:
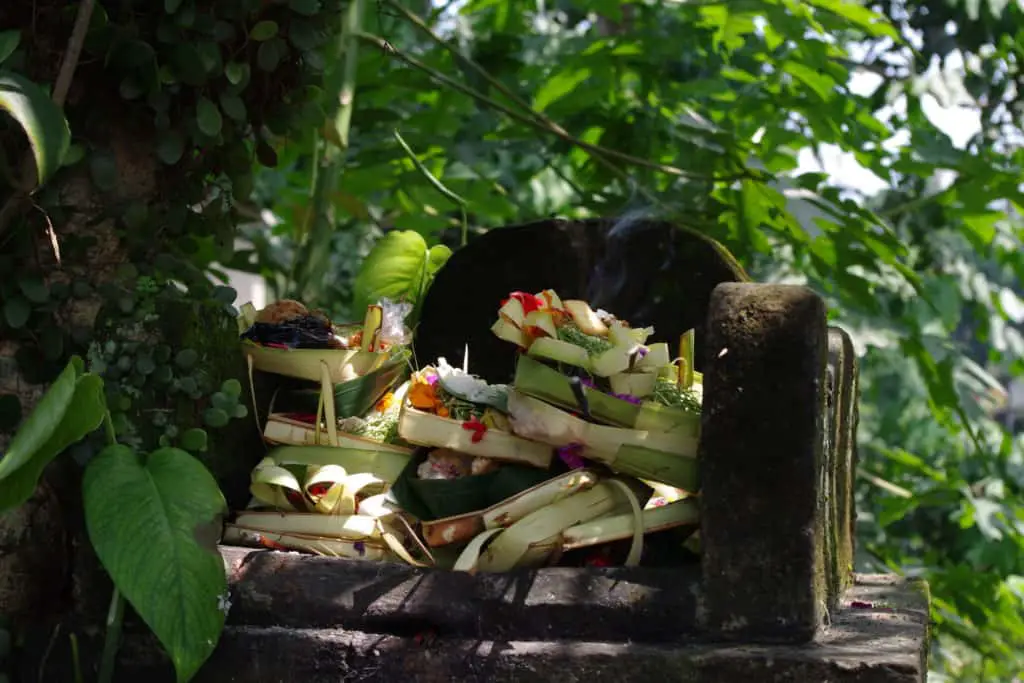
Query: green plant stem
x=76 y=660
x=115 y=615
x=349 y=44
x=436 y=184
x=115 y=619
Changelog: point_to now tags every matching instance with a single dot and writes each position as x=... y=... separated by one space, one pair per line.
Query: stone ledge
x=288 y=589
x=881 y=641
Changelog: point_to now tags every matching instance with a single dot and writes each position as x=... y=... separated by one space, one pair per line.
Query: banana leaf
x=351 y=399
x=539 y=380
x=432 y=499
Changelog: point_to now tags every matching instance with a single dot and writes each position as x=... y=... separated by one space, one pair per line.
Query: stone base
x=340 y=621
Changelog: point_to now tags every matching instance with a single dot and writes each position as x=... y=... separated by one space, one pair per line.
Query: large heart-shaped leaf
x=154 y=522
x=399 y=267
x=40 y=118
x=71 y=408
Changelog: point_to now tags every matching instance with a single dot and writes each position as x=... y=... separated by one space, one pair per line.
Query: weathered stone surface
x=647 y=272
x=286 y=589
x=762 y=461
x=883 y=641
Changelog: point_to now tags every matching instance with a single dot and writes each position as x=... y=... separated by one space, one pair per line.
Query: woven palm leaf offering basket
x=587 y=453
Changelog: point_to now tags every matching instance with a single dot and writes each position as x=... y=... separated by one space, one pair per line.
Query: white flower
x=224 y=603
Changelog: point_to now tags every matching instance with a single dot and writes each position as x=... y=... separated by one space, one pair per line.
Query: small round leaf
x=208 y=117
x=232 y=387
x=194 y=439
x=306 y=8
x=171 y=147
x=186 y=358
x=269 y=55
x=34 y=289
x=233 y=106
x=145 y=365
x=215 y=417
x=16 y=311
x=264 y=30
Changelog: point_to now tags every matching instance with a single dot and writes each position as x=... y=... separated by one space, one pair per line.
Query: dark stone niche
x=644 y=271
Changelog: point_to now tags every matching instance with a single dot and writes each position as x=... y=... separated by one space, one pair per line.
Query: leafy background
x=483 y=113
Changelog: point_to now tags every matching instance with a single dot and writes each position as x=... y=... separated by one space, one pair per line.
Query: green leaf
x=264 y=30
x=558 y=87
x=170 y=147
x=16 y=312
x=186 y=358
x=233 y=106
x=194 y=439
x=9 y=41
x=236 y=73
x=171 y=6
x=34 y=289
x=306 y=8
x=216 y=417
x=436 y=258
x=822 y=85
x=268 y=56
x=395 y=268
x=70 y=409
x=178 y=584
x=208 y=117
x=232 y=387
x=40 y=118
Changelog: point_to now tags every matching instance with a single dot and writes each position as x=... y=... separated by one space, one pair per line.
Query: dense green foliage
x=491 y=113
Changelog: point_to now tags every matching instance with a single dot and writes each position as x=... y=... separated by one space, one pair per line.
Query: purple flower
x=570 y=455
x=360 y=548
x=587 y=382
x=628 y=397
x=641 y=352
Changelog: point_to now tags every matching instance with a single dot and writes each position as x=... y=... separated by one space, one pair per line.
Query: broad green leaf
x=560 y=85
x=396 y=268
x=9 y=41
x=72 y=408
x=822 y=85
x=40 y=118
x=860 y=16
x=154 y=522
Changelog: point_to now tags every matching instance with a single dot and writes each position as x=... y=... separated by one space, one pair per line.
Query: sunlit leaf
x=168 y=504
x=40 y=118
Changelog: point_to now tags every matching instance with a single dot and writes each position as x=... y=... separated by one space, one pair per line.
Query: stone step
x=316 y=619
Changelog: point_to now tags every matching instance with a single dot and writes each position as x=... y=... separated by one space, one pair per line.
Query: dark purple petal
x=570 y=455
x=360 y=547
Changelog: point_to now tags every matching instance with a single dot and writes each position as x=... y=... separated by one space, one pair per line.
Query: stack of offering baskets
x=332 y=430
x=592 y=446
